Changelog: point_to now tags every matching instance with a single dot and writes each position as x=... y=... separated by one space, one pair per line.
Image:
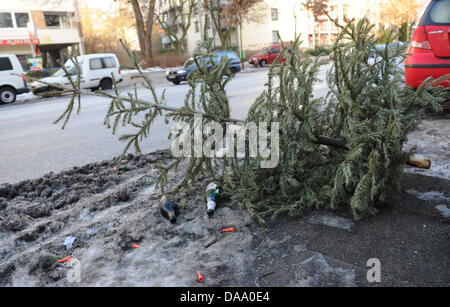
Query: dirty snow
x=150 y=69
x=433 y=196
x=26 y=97
x=330 y=220
x=444 y=210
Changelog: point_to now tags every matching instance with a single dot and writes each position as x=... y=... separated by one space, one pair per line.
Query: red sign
x=18 y=42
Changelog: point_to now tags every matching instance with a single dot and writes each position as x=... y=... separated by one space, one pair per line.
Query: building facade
x=41 y=30
x=284 y=18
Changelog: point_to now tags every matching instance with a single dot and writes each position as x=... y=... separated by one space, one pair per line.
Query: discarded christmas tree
x=344 y=150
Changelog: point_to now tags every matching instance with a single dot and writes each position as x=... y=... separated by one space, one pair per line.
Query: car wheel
x=263 y=63
x=233 y=70
x=176 y=82
x=7 y=95
x=106 y=84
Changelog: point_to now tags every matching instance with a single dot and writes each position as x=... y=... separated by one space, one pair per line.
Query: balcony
x=58 y=36
x=323 y=28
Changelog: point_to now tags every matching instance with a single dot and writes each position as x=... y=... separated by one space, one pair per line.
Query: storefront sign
x=18 y=42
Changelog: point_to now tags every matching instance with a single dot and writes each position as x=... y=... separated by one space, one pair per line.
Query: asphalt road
x=31 y=146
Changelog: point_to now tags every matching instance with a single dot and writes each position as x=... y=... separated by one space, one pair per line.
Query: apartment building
x=286 y=18
x=40 y=31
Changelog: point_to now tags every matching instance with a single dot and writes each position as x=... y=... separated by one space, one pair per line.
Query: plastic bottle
x=169 y=209
x=211 y=193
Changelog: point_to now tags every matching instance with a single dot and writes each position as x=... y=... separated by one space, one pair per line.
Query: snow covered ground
x=135 y=71
x=432 y=140
x=26 y=97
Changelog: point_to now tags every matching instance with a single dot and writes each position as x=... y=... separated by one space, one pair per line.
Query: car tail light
x=119 y=71
x=419 y=40
x=24 y=78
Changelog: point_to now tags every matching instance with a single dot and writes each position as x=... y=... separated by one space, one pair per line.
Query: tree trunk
x=140 y=27
x=149 y=31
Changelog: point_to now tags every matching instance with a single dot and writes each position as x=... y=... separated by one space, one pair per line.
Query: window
x=65 y=21
x=95 y=64
x=233 y=56
x=109 y=62
x=345 y=9
x=6 y=20
x=275 y=36
x=72 y=70
x=102 y=63
x=52 y=21
x=274 y=13
x=440 y=13
x=14 y=20
x=275 y=50
x=334 y=11
x=22 y=19
x=5 y=64
x=197 y=28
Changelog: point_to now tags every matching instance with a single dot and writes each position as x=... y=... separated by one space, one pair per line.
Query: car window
x=109 y=62
x=95 y=64
x=275 y=50
x=188 y=60
x=440 y=13
x=5 y=64
x=217 y=57
x=264 y=50
x=71 y=69
x=232 y=56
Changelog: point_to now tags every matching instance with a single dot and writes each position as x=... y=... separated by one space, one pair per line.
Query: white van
x=10 y=84
x=96 y=72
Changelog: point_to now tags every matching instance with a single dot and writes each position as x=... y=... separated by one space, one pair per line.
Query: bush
x=167 y=50
x=36 y=74
x=169 y=59
x=318 y=51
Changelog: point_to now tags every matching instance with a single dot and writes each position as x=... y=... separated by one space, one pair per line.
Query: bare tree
x=400 y=13
x=175 y=19
x=225 y=17
x=144 y=14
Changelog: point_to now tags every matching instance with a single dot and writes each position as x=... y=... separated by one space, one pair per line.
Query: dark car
x=180 y=74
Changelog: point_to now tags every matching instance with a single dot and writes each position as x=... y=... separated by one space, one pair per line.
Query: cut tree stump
x=420 y=162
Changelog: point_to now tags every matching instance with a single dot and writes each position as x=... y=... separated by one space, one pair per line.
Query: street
x=31 y=146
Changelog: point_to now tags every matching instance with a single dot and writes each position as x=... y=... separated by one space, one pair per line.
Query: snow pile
x=135 y=71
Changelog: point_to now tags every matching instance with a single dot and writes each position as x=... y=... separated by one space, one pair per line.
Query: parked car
x=268 y=55
x=429 y=51
x=10 y=84
x=180 y=74
x=96 y=70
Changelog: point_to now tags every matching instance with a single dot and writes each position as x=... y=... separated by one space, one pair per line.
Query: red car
x=429 y=51
x=268 y=55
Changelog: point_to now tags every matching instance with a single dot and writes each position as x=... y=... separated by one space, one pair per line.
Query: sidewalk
x=107 y=212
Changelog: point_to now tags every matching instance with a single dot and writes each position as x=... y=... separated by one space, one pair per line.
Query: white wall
x=37 y=5
x=58 y=36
